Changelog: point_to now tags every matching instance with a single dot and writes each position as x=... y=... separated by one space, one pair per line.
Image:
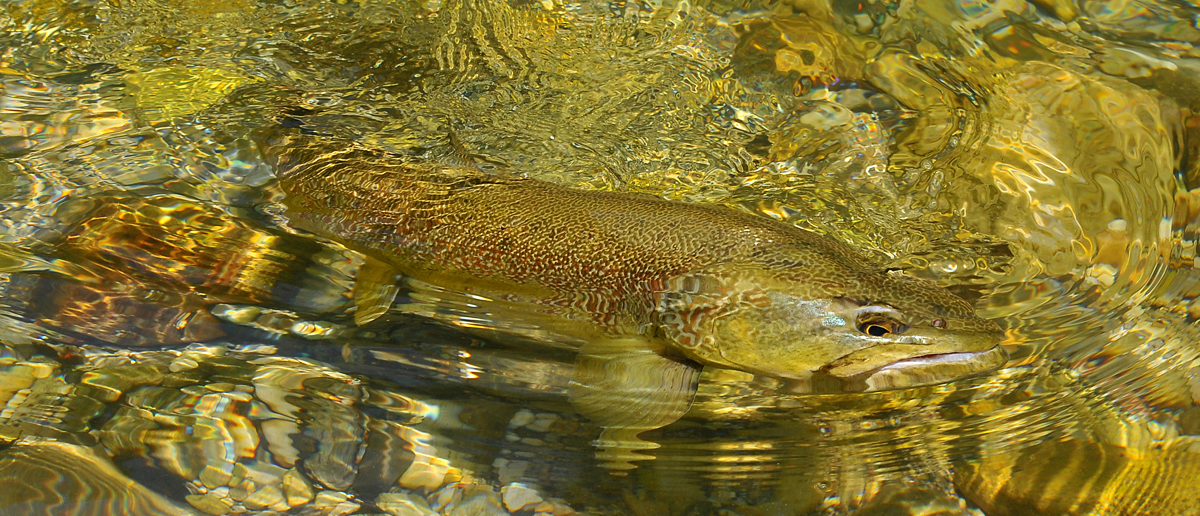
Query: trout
x=648 y=290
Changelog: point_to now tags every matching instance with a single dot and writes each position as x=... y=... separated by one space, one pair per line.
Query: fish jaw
x=935 y=369
x=921 y=361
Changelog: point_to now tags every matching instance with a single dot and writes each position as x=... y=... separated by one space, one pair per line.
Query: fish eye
x=879 y=327
x=875 y=330
x=879 y=320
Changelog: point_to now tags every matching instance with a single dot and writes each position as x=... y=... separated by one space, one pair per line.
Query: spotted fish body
x=603 y=255
x=692 y=284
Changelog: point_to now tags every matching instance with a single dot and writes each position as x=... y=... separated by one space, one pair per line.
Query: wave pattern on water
x=171 y=345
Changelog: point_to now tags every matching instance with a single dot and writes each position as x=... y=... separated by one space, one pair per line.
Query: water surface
x=169 y=345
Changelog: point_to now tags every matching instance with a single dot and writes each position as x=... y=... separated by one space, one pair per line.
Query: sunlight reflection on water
x=170 y=344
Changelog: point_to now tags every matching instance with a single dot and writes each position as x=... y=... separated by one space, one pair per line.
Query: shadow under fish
x=648 y=291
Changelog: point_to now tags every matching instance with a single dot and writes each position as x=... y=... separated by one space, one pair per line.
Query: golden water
x=170 y=346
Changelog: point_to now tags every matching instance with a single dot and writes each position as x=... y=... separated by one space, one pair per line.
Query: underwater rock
x=59 y=479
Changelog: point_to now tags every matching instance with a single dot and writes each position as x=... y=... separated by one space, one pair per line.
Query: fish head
x=866 y=329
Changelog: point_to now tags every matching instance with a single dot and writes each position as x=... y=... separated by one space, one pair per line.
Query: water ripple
x=1037 y=158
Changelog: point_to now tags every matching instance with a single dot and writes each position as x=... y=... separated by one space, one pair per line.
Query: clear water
x=170 y=346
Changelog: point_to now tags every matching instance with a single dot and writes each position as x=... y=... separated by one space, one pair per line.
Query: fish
x=648 y=290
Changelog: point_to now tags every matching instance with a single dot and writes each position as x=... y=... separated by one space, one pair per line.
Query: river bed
x=169 y=344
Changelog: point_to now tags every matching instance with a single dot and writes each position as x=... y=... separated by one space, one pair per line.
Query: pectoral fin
x=374 y=290
x=628 y=387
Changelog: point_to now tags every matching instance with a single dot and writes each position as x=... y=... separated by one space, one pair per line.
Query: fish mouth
x=849 y=375
x=932 y=369
x=901 y=373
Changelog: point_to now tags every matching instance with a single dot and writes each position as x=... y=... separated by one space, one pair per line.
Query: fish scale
x=618 y=243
